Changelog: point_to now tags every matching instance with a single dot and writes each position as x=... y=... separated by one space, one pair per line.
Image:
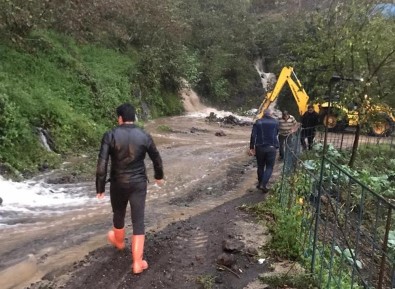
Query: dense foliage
x=65 y=65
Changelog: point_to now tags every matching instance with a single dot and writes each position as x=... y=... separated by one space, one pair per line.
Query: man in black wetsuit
x=127 y=145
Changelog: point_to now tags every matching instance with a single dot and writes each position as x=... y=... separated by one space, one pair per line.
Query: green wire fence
x=348 y=230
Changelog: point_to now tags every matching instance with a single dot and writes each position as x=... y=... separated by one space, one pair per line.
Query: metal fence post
x=385 y=246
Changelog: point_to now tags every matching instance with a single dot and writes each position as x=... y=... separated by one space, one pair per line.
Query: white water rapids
x=23 y=202
x=194 y=108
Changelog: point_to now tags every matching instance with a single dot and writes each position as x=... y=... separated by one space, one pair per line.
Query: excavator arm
x=287 y=75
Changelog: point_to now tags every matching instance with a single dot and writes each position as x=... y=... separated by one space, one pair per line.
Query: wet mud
x=208 y=177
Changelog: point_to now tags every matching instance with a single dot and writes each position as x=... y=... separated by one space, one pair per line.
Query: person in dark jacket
x=127 y=145
x=264 y=144
x=310 y=120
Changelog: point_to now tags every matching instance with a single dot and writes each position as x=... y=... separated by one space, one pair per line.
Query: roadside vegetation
x=289 y=214
x=374 y=165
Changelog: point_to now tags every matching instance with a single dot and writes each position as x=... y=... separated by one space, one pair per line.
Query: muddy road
x=206 y=167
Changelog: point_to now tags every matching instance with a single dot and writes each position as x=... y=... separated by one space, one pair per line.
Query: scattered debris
x=232 y=245
x=230 y=120
x=220 y=133
x=195 y=129
x=252 y=251
x=228 y=269
x=227 y=260
x=261 y=261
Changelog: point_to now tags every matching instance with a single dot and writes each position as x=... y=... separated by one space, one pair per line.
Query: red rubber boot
x=139 y=265
x=116 y=237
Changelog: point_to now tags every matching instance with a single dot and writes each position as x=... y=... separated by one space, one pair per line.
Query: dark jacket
x=264 y=132
x=310 y=120
x=127 y=145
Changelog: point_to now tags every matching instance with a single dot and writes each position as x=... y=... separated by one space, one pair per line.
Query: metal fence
x=348 y=230
x=344 y=140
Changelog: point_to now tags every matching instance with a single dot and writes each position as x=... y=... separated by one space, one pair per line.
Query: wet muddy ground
x=209 y=176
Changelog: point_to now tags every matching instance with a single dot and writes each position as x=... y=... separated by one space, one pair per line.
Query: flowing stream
x=29 y=201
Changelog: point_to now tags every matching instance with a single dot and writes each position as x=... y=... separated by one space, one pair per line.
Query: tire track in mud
x=184 y=241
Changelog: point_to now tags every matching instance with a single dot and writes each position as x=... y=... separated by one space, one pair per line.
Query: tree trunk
x=355 y=147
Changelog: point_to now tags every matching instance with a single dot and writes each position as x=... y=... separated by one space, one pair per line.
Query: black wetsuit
x=127 y=145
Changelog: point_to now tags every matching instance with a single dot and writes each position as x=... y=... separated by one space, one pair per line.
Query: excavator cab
x=338 y=116
x=334 y=116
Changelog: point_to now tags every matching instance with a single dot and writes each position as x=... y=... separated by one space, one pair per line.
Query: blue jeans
x=265 y=157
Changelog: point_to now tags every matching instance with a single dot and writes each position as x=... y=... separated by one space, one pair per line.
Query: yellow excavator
x=333 y=115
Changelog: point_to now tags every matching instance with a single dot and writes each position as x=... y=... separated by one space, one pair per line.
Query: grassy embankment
x=68 y=89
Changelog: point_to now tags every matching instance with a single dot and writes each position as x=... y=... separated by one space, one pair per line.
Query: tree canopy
x=212 y=44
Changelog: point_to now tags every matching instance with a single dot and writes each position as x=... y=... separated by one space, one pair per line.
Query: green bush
x=285 y=227
x=68 y=89
x=19 y=145
x=71 y=90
